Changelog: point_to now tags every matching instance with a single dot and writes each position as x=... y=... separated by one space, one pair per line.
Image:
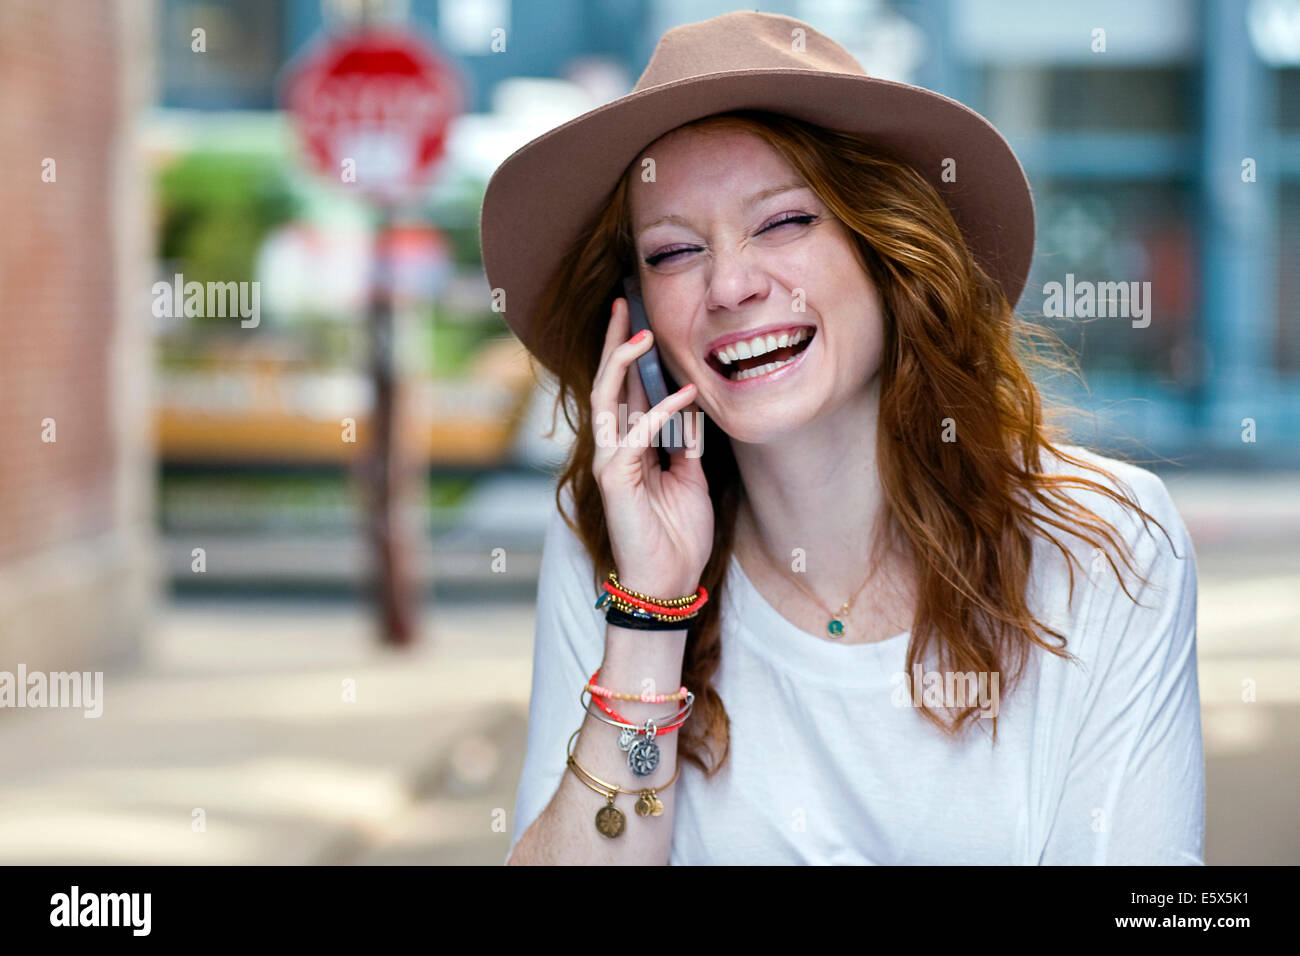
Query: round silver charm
x=625 y=739
x=643 y=757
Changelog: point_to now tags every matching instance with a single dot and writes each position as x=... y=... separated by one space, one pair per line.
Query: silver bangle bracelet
x=651 y=723
x=639 y=742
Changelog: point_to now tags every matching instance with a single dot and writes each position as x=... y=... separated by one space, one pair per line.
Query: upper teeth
x=759 y=345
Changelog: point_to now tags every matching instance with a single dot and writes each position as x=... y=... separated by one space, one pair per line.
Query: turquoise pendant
x=835 y=627
x=605 y=598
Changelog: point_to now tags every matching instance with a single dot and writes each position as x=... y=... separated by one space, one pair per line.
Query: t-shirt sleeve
x=569 y=644
x=1134 y=790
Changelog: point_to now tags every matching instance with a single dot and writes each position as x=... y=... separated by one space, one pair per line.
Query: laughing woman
x=878 y=612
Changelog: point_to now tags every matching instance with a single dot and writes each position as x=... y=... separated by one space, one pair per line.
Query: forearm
x=565 y=832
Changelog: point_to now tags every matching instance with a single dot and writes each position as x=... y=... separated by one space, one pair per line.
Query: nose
x=734 y=280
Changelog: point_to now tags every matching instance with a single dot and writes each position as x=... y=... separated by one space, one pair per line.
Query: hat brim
x=548 y=190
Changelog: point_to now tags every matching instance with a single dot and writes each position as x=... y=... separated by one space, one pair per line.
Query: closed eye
x=659 y=257
x=800 y=219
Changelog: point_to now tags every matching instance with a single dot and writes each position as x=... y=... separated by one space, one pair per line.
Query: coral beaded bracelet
x=599 y=691
x=671 y=723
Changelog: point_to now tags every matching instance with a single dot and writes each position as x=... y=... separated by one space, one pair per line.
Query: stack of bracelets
x=637 y=611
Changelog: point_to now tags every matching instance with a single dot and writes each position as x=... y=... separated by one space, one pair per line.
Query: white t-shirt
x=1097 y=761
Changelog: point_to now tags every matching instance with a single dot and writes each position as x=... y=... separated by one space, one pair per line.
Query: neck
x=817 y=489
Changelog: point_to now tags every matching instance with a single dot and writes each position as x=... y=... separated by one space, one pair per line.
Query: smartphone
x=658 y=385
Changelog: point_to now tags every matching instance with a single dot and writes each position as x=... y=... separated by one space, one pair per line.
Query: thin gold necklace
x=837 y=624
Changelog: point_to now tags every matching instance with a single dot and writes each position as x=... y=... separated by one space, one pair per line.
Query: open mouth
x=762 y=355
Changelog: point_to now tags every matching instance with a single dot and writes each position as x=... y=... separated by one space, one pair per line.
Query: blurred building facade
x=75 y=482
x=1163 y=143
x=1162 y=140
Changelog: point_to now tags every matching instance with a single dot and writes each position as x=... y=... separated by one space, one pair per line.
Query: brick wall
x=74 y=513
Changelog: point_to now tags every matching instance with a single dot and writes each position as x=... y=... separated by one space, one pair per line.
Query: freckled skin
x=737 y=277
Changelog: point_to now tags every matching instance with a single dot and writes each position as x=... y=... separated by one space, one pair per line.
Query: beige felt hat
x=546 y=192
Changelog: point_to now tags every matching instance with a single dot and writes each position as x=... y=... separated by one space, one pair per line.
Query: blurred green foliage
x=457 y=215
x=456 y=338
x=216 y=209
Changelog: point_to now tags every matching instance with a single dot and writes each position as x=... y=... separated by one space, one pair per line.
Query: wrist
x=664 y=587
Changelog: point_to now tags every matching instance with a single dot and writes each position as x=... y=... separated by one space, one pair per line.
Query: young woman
x=878 y=612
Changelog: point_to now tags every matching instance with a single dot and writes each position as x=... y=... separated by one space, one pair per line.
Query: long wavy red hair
x=968 y=509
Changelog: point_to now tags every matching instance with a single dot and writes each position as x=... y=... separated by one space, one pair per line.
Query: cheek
x=666 y=311
x=869 y=325
x=849 y=305
x=825 y=268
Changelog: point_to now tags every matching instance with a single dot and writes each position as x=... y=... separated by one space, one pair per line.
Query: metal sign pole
x=374 y=98
x=388 y=466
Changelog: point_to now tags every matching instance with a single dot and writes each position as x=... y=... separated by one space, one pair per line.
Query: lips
x=756 y=356
x=753 y=339
x=733 y=354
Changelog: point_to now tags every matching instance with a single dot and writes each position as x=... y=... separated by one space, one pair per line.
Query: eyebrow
x=749 y=201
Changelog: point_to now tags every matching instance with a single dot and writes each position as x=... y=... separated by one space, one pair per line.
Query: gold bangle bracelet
x=610 y=820
x=666 y=602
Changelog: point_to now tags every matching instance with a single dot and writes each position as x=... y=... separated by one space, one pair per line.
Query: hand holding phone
x=658 y=512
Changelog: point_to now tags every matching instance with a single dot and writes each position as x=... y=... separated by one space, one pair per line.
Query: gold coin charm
x=610 y=820
x=645 y=805
x=659 y=807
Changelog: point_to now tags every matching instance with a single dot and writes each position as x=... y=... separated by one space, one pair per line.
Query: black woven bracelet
x=620 y=618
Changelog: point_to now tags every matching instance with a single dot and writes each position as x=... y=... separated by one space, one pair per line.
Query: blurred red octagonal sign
x=372 y=108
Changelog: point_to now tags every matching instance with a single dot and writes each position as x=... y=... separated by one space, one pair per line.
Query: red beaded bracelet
x=659 y=608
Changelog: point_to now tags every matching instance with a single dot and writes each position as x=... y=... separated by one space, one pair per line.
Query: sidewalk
x=236 y=714
x=236 y=710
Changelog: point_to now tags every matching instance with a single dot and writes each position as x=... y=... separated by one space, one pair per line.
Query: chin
x=763 y=428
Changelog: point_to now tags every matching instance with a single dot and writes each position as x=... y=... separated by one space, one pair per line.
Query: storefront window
x=1288 y=100
x=1094 y=236
x=1088 y=99
x=231 y=63
x=1288 y=278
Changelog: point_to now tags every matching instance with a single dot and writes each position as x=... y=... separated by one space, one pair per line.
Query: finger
x=637 y=400
x=690 y=462
x=610 y=382
x=638 y=436
x=606 y=421
x=615 y=333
